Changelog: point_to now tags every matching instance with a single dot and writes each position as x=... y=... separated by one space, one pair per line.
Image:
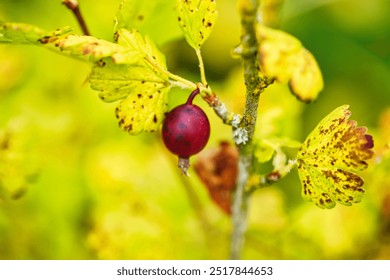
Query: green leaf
x=197 y=19
x=329 y=159
x=21 y=33
x=266 y=148
x=263 y=151
x=139 y=50
x=285 y=142
x=137 y=76
x=156 y=18
x=283 y=58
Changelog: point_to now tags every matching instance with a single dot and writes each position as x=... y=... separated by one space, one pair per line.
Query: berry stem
x=192 y=96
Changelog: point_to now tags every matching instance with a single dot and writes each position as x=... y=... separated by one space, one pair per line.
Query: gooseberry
x=185 y=131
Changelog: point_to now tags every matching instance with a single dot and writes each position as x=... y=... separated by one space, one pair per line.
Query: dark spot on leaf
x=129 y=127
x=155 y=118
x=44 y=40
x=369 y=142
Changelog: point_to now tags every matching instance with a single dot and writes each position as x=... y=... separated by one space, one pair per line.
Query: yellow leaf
x=329 y=159
x=137 y=77
x=143 y=111
x=197 y=19
x=278 y=53
x=283 y=58
x=306 y=81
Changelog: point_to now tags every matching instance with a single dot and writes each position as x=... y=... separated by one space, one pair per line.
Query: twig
x=73 y=5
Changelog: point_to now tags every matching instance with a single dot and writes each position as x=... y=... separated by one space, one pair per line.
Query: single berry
x=186 y=130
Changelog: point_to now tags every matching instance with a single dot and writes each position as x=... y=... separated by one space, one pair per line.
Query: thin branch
x=221 y=110
x=201 y=68
x=73 y=5
x=242 y=134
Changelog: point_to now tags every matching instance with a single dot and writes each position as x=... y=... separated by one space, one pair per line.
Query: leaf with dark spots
x=196 y=18
x=330 y=158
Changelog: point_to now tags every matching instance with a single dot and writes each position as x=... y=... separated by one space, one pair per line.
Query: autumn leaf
x=283 y=58
x=62 y=40
x=143 y=111
x=217 y=169
x=132 y=67
x=197 y=19
x=330 y=158
x=136 y=76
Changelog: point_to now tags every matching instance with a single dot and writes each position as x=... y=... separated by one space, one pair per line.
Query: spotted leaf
x=330 y=158
x=197 y=19
x=61 y=40
x=144 y=110
x=132 y=69
x=136 y=76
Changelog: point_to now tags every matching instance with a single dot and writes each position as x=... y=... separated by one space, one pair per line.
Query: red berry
x=186 y=130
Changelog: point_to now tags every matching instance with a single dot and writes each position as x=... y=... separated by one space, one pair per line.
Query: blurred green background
x=74 y=186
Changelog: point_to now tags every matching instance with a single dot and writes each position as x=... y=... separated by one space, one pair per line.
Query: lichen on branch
x=243 y=133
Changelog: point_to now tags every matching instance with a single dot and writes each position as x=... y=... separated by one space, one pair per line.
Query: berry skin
x=185 y=131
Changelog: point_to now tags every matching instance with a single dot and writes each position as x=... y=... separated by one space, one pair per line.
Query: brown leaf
x=217 y=169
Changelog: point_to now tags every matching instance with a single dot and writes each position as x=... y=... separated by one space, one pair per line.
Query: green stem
x=201 y=67
x=176 y=80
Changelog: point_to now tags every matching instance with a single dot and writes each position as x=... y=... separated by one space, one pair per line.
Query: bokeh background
x=74 y=186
